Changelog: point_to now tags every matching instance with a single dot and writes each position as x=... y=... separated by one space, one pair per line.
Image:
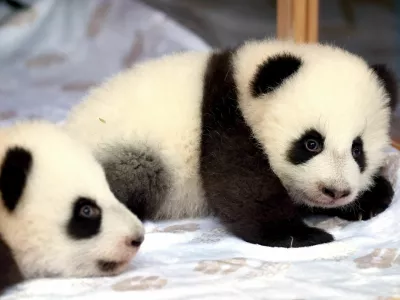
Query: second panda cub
x=259 y=136
x=58 y=216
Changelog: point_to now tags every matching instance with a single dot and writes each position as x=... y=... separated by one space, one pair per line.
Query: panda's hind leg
x=138 y=178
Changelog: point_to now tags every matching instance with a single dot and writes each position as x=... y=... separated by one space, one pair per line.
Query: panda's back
x=153 y=108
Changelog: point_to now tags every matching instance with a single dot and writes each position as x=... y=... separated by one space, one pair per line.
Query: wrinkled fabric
x=198 y=259
x=52 y=53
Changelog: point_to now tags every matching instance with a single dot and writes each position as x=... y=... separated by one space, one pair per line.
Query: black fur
x=273 y=73
x=17 y=5
x=14 y=172
x=389 y=82
x=360 y=159
x=369 y=204
x=239 y=184
x=138 y=179
x=107 y=266
x=10 y=273
x=81 y=227
x=298 y=152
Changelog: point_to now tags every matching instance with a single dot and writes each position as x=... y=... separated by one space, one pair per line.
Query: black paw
x=292 y=235
x=366 y=210
x=310 y=237
x=371 y=203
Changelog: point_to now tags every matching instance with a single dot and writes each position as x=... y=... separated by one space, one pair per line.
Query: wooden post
x=312 y=21
x=284 y=19
x=298 y=20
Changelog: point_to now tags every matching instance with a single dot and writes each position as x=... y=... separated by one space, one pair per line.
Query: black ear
x=389 y=82
x=10 y=273
x=14 y=172
x=273 y=72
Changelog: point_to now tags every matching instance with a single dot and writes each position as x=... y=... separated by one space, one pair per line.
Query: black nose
x=136 y=242
x=335 y=193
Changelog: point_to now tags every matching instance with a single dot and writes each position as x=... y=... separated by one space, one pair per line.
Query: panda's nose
x=335 y=193
x=135 y=241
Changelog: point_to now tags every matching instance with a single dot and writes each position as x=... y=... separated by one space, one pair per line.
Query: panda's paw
x=371 y=203
x=310 y=237
x=374 y=208
x=294 y=234
x=367 y=209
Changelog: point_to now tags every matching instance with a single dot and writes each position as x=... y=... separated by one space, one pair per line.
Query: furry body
x=58 y=216
x=258 y=136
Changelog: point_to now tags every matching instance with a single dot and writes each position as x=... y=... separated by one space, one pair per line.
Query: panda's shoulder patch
x=273 y=72
x=14 y=171
x=10 y=273
x=389 y=82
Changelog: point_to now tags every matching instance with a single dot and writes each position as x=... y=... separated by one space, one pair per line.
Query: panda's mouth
x=326 y=202
x=318 y=200
x=110 y=266
x=322 y=203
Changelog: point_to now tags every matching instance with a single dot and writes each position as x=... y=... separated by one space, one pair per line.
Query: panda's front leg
x=10 y=274
x=290 y=233
x=273 y=222
x=369 y=204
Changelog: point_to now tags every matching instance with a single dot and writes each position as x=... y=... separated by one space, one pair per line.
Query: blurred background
x=52 y=51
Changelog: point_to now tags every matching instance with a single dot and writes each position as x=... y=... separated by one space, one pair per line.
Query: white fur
x=334 y=92
x=158 y=103
x=62 y=171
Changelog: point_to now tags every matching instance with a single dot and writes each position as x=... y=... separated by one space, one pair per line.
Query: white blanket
x=193 y=259
x=50 y=55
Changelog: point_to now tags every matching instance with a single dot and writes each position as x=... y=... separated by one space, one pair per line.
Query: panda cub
x=259 y=136
x=58 y=216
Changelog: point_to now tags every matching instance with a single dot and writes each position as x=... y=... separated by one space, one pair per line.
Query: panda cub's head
x=58 y=216
x=321 y=114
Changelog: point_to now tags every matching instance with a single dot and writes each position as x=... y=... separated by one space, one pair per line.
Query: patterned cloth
x=51 y=54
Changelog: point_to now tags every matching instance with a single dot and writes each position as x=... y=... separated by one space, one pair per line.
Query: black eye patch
x=357 y=151
x=309 y=145
x=85 y=221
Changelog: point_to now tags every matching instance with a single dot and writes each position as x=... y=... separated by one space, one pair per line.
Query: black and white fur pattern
x=58 y=216
x=259 y=136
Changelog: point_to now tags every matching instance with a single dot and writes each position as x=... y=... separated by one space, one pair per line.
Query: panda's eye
x=85 y=220
x=89 y=212
x=357 y=148
x=312 y=145
x=306 y=147
x=356 y=151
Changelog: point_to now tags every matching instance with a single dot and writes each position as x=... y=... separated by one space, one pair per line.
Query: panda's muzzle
x=335 y=194
x=135 y=242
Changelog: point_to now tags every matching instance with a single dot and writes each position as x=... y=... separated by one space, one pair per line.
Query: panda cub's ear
x=14 y=172
x=389 y=82
x=272 y=73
